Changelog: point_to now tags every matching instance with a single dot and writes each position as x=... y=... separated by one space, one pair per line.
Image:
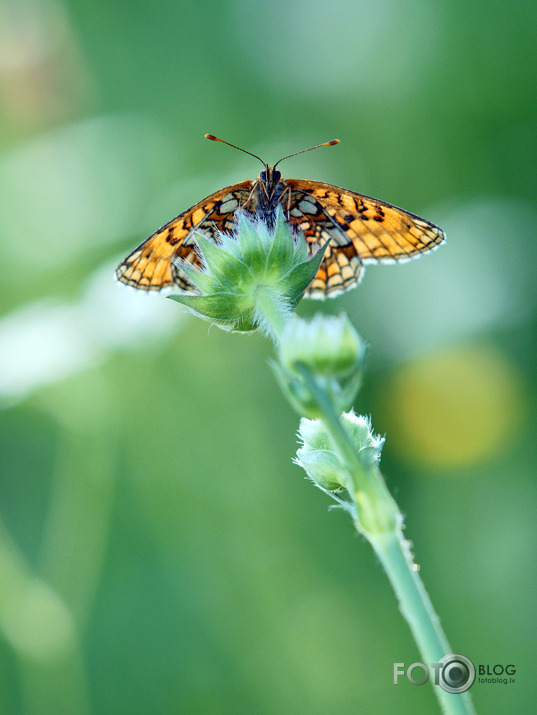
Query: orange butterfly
x=361 y=230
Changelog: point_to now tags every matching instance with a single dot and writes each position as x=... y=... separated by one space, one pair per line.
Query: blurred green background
x=159 y=551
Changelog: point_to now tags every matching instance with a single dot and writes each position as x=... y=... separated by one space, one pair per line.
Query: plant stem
x=272 y=314
x=417 y=609
x=377 y=511
x=378 y=518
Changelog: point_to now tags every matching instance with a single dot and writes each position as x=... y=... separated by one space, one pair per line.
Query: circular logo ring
x=457 y=674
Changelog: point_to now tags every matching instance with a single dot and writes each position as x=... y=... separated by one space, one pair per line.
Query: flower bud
x=238 y=269
x=327 y=345
x=331 y=351
x=317 y=457
x=367 y=444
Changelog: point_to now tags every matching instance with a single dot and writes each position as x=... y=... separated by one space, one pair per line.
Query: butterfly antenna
x=330 y=143
x=216 y=139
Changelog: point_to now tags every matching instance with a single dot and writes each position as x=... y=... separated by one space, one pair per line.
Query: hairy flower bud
x=240 y=271
x=327 y=344
x=317 y=457
x=331 y=351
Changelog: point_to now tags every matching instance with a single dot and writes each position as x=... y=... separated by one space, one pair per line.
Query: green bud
x=317 y=457
x=367 y=444
x=242 y=270
x=331 y=351
x=327 y=345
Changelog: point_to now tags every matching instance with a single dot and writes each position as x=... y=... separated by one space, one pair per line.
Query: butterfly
x=360 y=229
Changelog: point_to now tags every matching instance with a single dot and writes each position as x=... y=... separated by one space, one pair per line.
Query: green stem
x=417 y=609
x=272 y=313
x=378 y=510
x=377 y=517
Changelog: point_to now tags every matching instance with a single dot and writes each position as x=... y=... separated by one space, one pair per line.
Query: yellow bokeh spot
x=453 y=408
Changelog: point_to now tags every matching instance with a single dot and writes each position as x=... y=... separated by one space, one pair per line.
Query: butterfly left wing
x=150 y=267
x=362 y=229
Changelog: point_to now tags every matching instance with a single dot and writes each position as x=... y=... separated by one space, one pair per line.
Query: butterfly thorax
x=268 y=192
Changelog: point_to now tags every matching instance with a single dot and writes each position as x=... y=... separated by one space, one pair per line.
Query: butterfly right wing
x=379 y=231
x=150 y=267
x=363 y=230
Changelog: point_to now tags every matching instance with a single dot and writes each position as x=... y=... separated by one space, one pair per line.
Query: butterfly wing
x=150 y=267
x=362 y=230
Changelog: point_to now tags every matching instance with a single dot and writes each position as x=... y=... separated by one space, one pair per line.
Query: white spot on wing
x=228 y=206
x=307 y=207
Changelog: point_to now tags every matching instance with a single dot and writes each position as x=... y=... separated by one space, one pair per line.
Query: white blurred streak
x=67 y=192
x=47 y=341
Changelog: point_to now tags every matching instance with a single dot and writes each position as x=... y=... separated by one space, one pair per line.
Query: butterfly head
x=269 y=176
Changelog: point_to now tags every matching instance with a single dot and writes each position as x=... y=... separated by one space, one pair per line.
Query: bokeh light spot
x=455 y=408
